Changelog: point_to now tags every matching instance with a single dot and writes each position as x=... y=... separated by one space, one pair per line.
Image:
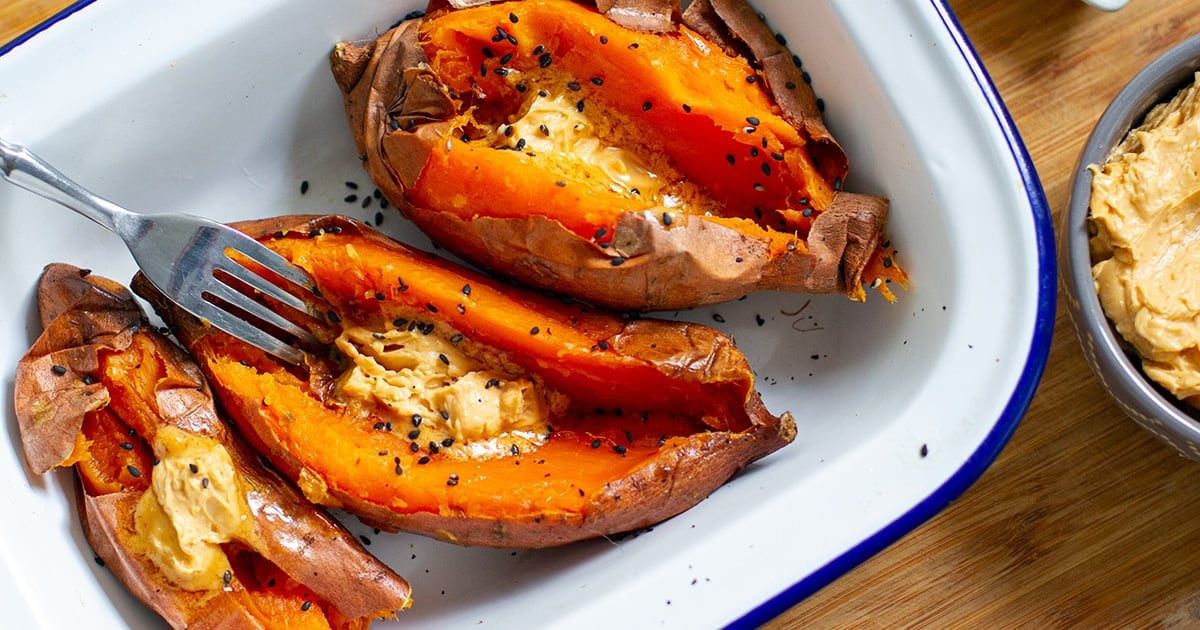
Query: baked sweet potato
x=181 y=511
x=637 y=169
x=456 y=406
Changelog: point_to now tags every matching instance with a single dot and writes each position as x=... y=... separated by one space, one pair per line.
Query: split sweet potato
x=667 y=167
x=181 y=510
x=450 y=404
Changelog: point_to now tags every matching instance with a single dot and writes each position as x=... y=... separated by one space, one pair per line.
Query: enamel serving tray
x=223 y=108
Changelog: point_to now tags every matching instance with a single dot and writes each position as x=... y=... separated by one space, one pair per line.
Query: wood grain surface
x=1084 y=520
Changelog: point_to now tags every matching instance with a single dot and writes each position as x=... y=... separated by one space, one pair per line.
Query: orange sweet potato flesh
x=659 y=414
x=458 y=117
x=95 y=389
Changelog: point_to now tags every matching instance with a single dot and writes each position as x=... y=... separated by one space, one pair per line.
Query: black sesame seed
x=750 y=129
x=753 y=121
x=579 y=106
x=452 y=481
x=379 y=426
x=619 y=449
x=600 y=233
x=126 y=446
x=483 y=69
x=424 y=460
x=574 y=86
x=766 y=169
x=512 y=17
x=520 y=87
x=887 y=262
x=204 y=482
x=352 y=185
x=448 y=442
x=753 y=151
x=506 y=58
x=431 y=308
x=414 y=447
x=666 y=218
x=416 y=419
x=58 y=370
x=603 y=39
x=729 y=158
x=596 y=443
x=808 y=212
x=520 y=144
x=444 y=359
x=781 y=39
x=617 y=261
x=303 y=187
x=603 y=345
x=628 y=436
x=560 y=183
x=133 y=470
x=350 y=198
x=633 y=46
x=535 y=330
x=380 y=296
x=717 y=317
x=778 y=157
x=509 y=130
x=399 y=470
x=751 y=79
x=379 y=216
x=646 y=106
x=597 y=81
x=306 y=605
x=487 y=52
x=791 y=85
x=544 y=60
x=445 y=414
x=492 y=382
x=500 y=72
x=544 y=129
x=227 y=577
x=515 y=450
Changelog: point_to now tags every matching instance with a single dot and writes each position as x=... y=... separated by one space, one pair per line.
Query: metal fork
x=181 y=254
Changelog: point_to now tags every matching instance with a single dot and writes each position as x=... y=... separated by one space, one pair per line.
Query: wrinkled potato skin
x=680 y=476
x=695 y=262
x=86 y=315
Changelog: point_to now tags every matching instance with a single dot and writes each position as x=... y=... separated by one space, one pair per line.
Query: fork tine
x=252 y=335
x=264 y=256
x=264 y=286
x=244 y=302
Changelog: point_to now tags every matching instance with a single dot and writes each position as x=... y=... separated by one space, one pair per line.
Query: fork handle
x=21 y=167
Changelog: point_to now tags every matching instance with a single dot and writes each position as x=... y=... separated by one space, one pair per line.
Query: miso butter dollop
x=195 y=503
x=414 y=372
x=1145 y=209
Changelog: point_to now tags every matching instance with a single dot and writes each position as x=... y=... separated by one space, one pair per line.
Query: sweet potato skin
x=89 y=319
x=405 y=122
x=649 y=484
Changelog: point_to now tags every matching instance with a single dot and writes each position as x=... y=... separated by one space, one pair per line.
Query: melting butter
x=195 y=503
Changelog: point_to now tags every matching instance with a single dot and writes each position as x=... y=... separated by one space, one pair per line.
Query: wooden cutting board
x=1084 y=520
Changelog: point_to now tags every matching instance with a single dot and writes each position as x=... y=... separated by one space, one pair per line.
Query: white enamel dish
x=223 y=108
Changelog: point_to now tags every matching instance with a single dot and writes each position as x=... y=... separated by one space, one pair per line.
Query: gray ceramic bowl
x=1157 y=411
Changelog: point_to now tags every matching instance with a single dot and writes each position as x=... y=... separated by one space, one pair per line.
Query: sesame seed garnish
x=350 y=198
x=380 y=296
x=781 y=39
x=751 y=79
x=574 y=86
x=687 y=108
x=448 y=442
x=766 y=169
x=58 y=370
x=717 y=317
x=133 y=470
x=452 y=481
x=483 y=69
x=445 y=414
x=520 y=87
x=520 y=144
x=515 y=450
x=487 y=52
x=399 y=470
x=560 y=183
x=597 y=81
x=579 y=106
x=646 y=106
x=808 y=212
x=535 y=330
x=414 y=447
x=619 y=449
x=544 y=129
x=628 y=436
x=600 y=233
x=633 y=46
x=126 y=446
x=306 y=605
x=378 y=426
x=617 y=261
x=500 y=72
x=603 y=345
x=750 y=129
x=729 y=158
x=759 y=187
x=596 y=443
x=791 y=85
x=752 y=120
x=603 y=39
x=416 y=419
x=753 y=151
x=444 y=359
x=778 y=157
x=430 y=307
x=352 y=185
x=227 y=577
x=666 y=218
x=492 y=382
x=303 y=187
x=544 y=60
x=512 y=17
x=204 y=482
x=424 y=460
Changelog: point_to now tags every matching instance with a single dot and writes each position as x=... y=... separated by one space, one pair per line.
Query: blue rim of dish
x=1018 y=403
x=996 y=439
x=45 y=24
